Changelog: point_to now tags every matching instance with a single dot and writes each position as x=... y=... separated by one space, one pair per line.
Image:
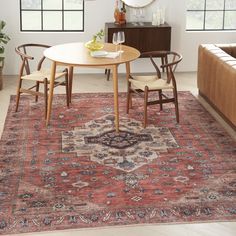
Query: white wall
x=100 y=11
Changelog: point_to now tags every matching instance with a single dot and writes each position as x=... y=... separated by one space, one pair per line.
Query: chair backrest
x=169 y=62
x=29 y=52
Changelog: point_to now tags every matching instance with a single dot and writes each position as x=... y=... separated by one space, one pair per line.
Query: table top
x=77 y=54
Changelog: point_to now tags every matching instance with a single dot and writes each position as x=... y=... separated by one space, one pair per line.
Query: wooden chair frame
x=167 y=66
x=34 y=90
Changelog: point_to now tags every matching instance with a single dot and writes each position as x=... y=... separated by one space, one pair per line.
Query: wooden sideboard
x=145 y=37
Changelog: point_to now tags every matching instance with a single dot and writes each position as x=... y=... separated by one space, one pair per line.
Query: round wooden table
x=76 y=54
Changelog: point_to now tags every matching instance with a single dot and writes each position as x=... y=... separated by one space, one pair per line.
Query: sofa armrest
x=216 y=79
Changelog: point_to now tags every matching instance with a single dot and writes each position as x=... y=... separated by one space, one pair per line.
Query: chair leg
x=37 y=89
x=176 y=105
x=45 y=97
x=163 y=63
x=67 y=89
x=160 y=99
x=108 y=74
x=70 y=81
x=145 y=106
x=128 y=98
x=18 y=94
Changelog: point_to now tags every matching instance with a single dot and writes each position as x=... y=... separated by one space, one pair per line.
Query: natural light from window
x=52 y=15
x=211 y=15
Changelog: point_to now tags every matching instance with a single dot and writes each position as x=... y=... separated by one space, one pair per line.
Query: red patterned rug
x=79 y=173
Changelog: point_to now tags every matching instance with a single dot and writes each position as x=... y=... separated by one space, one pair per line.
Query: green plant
x=99 y=35
x=4 y=38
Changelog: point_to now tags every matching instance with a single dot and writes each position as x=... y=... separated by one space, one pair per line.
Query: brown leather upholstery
x=216 y=78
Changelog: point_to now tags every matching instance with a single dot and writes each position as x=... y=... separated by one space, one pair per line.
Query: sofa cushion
x=224 y=53
x=228 y=48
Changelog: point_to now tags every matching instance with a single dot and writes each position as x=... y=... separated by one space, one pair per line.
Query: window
x=52 y=15
x=211 y=15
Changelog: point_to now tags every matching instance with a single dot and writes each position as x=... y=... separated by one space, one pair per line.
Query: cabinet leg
x=108 y=72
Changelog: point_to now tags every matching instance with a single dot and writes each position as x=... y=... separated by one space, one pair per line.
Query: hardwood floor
x=98 y=83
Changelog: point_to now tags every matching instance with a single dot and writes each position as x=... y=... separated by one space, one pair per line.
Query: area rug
x=80 y=173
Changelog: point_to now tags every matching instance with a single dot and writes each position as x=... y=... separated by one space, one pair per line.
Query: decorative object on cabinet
x=158 y=17
x=120 y=13
x=137 y=9
x=137 y=3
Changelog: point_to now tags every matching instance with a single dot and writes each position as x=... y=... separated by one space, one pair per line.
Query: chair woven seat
x=145 y=78
x=143 y=84
x=151 y=84
x=41 y=75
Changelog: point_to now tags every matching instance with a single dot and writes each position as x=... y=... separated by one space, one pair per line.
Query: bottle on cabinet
x=123 y=8
x=120 y=14
x=116 y=12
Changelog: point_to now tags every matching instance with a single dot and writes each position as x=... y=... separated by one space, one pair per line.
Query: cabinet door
x=153 y=39
x=146 y=38
x=131 y=36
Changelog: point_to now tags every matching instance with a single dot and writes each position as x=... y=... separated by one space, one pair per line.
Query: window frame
x=41 y=10
x=204 y=18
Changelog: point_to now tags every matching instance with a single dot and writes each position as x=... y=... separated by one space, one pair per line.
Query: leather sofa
x=216 y=78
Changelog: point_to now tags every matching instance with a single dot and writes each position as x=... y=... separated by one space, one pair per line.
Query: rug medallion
x=127 y=150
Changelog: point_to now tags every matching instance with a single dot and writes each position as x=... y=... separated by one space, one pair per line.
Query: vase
x=94 y=45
